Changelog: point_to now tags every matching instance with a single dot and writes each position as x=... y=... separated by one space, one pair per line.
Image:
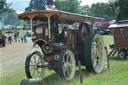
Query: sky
x=20 y=5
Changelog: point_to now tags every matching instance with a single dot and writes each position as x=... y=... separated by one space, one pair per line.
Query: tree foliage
x=103 y=10
x=123 y=10
x=68 y=5
x=11 y=17
x=3 y=6
x=86 y=10
x=36 y=5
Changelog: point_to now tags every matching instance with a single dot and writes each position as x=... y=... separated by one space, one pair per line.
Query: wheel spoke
x=39 y=60
x=32 y=65
x=33 y=73
x=68 y=73
x=34 y=58
x=31 y=69
x=38 y=73
x=31 y=62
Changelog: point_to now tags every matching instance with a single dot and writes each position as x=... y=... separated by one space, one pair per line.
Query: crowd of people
x=16 y=38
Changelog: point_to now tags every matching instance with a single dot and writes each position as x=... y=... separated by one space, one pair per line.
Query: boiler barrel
x=34 y=82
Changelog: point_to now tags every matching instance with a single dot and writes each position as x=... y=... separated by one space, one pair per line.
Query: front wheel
x=94 y=52
x=33 y=64
x=66 y=65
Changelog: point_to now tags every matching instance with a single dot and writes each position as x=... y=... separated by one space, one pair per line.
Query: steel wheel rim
x=69 y=65
x=34 y=64
x=97 y=54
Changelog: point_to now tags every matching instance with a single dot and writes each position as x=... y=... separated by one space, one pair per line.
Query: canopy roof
x=60 y=16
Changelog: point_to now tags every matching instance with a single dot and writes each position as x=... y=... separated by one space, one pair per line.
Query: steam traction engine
x=64 y=39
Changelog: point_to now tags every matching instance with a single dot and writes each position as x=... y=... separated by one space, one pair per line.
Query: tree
x=86 y=10
x=28 y=9
x=123 y=10
x=103 y=10
x=68 y=5
x=4 y=6
x=112 y=4
x=11 y=17
x=36 y=5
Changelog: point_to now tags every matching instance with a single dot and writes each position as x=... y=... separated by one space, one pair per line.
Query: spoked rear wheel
x=33 y=65
x=66 y=65
x=94 y=53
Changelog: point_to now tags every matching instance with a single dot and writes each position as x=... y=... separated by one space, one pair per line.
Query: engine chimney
x=50 y=5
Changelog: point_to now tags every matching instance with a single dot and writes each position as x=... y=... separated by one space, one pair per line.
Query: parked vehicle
x=120 y=34
x=102 y=29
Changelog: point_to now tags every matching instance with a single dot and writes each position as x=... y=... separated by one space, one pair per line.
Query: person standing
x=10 y=39
x=15 y=36
x=22 y=39
x=18 y=34
x=25 y=40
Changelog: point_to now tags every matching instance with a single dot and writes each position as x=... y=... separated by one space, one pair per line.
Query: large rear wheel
x=83 y=32
x=94 y=52
x=33 y=64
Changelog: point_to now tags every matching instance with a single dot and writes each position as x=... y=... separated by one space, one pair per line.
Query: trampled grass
x=117 y=75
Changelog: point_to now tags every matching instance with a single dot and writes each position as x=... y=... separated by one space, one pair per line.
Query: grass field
x=117 y=75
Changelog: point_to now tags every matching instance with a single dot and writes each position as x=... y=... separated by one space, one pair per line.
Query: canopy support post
x=49 y=28
x=31 y=24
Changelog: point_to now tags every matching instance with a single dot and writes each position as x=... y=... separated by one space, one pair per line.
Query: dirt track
x=13 y=56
